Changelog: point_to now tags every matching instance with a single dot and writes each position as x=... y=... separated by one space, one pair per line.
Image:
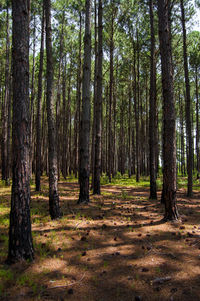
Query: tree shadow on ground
x=105 y=251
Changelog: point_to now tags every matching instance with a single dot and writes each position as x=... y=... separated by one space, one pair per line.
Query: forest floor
x=115 y=248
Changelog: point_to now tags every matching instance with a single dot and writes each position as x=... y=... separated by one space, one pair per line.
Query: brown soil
x=116 y=248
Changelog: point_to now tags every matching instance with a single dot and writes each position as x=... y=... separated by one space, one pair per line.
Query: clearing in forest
x=115 y=248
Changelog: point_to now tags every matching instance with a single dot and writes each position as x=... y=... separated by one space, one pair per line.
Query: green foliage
x=6 y=277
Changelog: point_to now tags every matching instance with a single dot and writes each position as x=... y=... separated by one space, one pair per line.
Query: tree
x=84 y=171
x=194 y=54
x=169 y=134
x=54 y=205
x=20 y=238
x=187 y=105
x=98 y=115
x=39 y=98
x=152 y=110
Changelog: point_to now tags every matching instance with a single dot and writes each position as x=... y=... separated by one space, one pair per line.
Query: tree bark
x=197 y=119
x=95 y=96
x=110 y=134
x=39 y=99
x=8 y=85
x=78 y=106
x=169 y=133
x=84 y=172
x=54 y=206
x=152 y=110
x=97 y=157
x=20 y=238
x=187 y=106
x=33 y=97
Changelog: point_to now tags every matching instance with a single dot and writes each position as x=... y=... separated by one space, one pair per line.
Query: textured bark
x=39 y=100
x=65 y=124
x=78 y=110
x=138 y=125
x=136 y=112
x=152 y=110
x=20 y=239
x=32 y=166
x=8 y=100
x=110 y=134
x=197 y=119
x=95 y=95
x=54 y=206
x=84 y=172
x=58 y=99
x=169 y=133
x=187 y=106
x=97 y=157
x=4 y=111
x=182 y=136
x=129 y=133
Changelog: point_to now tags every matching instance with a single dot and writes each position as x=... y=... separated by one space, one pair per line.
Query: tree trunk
x=197 y=119
x=187 y=106
x=38 y=119
x=54 y=206
x=95 y=95
x=169 y=134
x=152 y=110
x=110 y=134
x=20 y=238
x=97 y=157
x=78 y=98
x=8 y=85
x=58 y=99
x=33 y=96
x=84 y=173
x=65 y=123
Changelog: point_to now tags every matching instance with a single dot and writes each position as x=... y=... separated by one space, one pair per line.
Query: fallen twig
x=161 y=280
x=70 y=284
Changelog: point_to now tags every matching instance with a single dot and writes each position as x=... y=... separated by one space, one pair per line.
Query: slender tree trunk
x=8 y=99
x=33 y=96
x=58 y=99
x=20 y=238
x=39 y=100
x=95 y=95
x=169 y=134
x=187 y=106
x=65 y=124
x=197 y=120
x=110 y=134
x=97 y=157
x=152 y=110
x=182 y=137
x=78 y=107
x=84 y=173
x=54 y=206
x=129 y=133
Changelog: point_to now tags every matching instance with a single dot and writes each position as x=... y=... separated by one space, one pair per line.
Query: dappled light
x=117 y=245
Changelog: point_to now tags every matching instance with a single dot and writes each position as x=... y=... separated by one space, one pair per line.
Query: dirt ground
x=115 y=248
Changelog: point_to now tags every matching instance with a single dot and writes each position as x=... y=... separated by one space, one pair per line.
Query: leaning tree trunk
x=54 y=206
x=152 y=110
x=20 y=239
x=169 y=134
x=187 y=106
x=97 y=157
x=84 y=144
